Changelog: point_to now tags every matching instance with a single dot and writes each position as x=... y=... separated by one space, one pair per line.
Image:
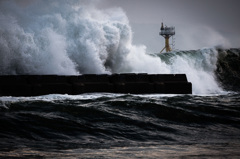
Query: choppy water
x=203 y=125
x=120 y=126
x=73 y=37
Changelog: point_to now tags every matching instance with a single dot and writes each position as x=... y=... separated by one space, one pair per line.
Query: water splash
x=74 y=37
x=62 y=39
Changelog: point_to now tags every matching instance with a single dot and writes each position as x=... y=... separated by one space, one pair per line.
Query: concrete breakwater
x=35 y=85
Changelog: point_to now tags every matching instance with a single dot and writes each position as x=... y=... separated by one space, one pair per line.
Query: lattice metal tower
x=167 y=32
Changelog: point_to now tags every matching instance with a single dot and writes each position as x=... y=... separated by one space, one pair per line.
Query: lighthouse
x=167 y=32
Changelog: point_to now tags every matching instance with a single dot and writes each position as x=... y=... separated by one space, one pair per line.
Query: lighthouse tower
x=167 y=32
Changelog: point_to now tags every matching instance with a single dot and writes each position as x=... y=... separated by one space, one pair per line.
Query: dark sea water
x=75 y=37
x=120 y=126
x=205 y=124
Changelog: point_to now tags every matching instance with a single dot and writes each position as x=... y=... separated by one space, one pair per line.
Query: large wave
x=62 y=37
x=74 y=37
x=199 y=65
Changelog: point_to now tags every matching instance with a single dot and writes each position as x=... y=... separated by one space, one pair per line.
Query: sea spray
x=74 y=37
x=199 y=65
x=69 y=38
x=62 y=38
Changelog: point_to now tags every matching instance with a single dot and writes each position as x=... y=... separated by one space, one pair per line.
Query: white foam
x=199 y=69
x=73 y=37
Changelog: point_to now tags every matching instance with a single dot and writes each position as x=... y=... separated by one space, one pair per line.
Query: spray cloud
x=56 y=37
x=74 y=37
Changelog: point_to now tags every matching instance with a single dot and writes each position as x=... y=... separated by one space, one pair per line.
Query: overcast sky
x=199 y=23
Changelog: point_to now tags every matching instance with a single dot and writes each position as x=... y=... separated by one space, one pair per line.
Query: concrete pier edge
x=35 y=85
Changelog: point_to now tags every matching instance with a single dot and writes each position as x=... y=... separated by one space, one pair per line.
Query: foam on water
x=199 y=65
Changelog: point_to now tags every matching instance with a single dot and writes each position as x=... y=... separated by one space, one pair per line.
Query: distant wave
x=228 y=69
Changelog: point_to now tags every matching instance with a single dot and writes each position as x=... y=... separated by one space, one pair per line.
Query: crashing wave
x=74 y=37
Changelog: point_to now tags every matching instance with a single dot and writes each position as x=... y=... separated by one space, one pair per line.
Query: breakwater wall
x=35 y=85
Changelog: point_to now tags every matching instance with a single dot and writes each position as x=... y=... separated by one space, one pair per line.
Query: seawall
x=35 y=85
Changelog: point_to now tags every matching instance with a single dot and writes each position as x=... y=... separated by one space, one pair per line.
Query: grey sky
x=199 y=23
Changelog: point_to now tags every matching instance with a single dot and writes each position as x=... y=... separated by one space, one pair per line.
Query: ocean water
x=120 y=126
x=105 y=125
x=74 y=37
